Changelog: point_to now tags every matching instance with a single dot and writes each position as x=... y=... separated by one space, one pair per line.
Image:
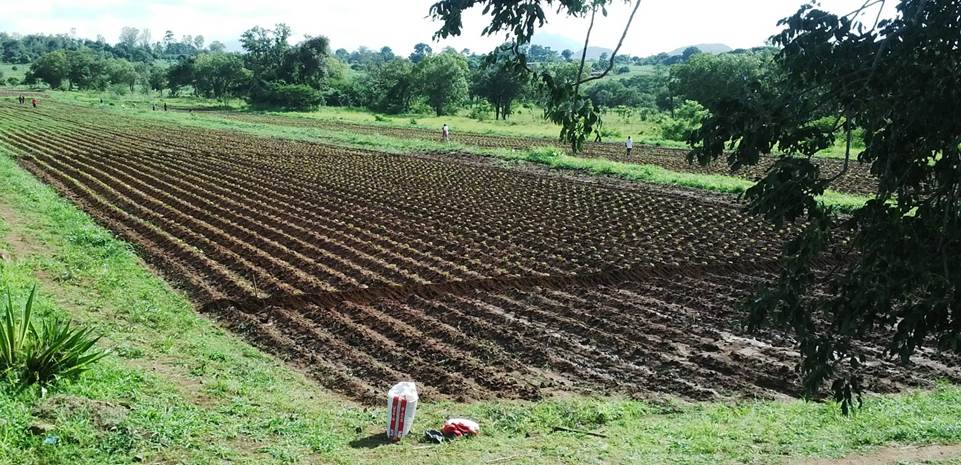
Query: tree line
x=133 y=44
x=273 y=72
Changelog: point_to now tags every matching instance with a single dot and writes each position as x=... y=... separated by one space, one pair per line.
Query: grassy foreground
x=180 y=390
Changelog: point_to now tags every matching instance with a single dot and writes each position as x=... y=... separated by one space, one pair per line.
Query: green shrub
x=32 y=353
x=481 y=111
x=13 y=334
x=687 y=118
x=610 y=133
x=545 y=154
x=278 y=95
x=60 y=350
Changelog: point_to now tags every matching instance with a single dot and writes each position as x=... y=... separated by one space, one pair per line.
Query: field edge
x=196 y=393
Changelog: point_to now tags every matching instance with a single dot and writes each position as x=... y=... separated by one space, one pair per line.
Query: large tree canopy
x=565 y=105
x=220 y=75
x=895 y=263
x=498 y=85
x=442 y=80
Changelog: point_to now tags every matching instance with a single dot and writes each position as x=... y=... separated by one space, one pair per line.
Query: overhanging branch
x=610 y=64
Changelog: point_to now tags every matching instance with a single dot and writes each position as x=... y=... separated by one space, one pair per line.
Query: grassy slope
x=637 y=172
x=8 y=72
x=199 y=395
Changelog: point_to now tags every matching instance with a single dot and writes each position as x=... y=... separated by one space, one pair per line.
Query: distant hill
x=556 y=42
x=594 y=53
x=706 y=48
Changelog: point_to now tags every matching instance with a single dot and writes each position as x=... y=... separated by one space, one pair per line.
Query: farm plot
x=366 y=268
x=857 y=180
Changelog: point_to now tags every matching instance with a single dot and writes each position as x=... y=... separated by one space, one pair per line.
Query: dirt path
x=894 y=455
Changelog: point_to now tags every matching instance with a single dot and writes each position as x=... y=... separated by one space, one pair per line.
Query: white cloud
x=661 y=25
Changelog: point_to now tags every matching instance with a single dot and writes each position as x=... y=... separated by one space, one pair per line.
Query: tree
x=157 y=79
x=86 y=69
x=442 y=79
x=143 y=39
x=421 y=51
x=567 y=54
x=286 y=96
x=541 y=54
x=386 y=54
x=168 y=39
x=688 y=53
x=217 y=47
x=894 y=264
x=565 y=105
x=390 y=86
x=601 y=62
x=51 y=69
x=129 y=37
x=619 y=92
x=120 y=71
x=220 y=75
x=265 y=50
x=180 y=74
x=710 y=79
x=497 y=84
x=306 y=63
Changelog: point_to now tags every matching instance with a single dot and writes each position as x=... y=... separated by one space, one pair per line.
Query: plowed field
x=366 y=268
x=858 y=179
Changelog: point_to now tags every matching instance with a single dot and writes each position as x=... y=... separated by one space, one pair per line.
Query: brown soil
x=474 y=280
x=857 y=180
x=894 y=455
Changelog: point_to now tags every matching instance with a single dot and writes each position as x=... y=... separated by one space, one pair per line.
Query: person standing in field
x=165 y=106
x=34 y=102
x=445 y=133
x=629 y=145
x=22 y=99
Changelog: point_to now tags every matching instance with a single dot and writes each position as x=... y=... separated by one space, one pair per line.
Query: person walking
x=165 y=106
x=629 y=145
x=34 y=102
x=22 y=99
x=445 y=133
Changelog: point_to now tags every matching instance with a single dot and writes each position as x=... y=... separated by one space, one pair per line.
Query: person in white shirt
x=445 y=133
x=630 y=145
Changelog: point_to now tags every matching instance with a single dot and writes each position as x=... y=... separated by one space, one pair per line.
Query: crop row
x=293 y=217
x=678 y=335
x=366 y=268
x=857 y=180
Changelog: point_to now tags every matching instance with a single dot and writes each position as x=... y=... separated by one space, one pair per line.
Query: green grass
x=635 y=70
x=525 y=122
x=8 y=71
x=187 y=392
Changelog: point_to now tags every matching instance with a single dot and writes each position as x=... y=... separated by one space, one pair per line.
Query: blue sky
x=661 y=25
